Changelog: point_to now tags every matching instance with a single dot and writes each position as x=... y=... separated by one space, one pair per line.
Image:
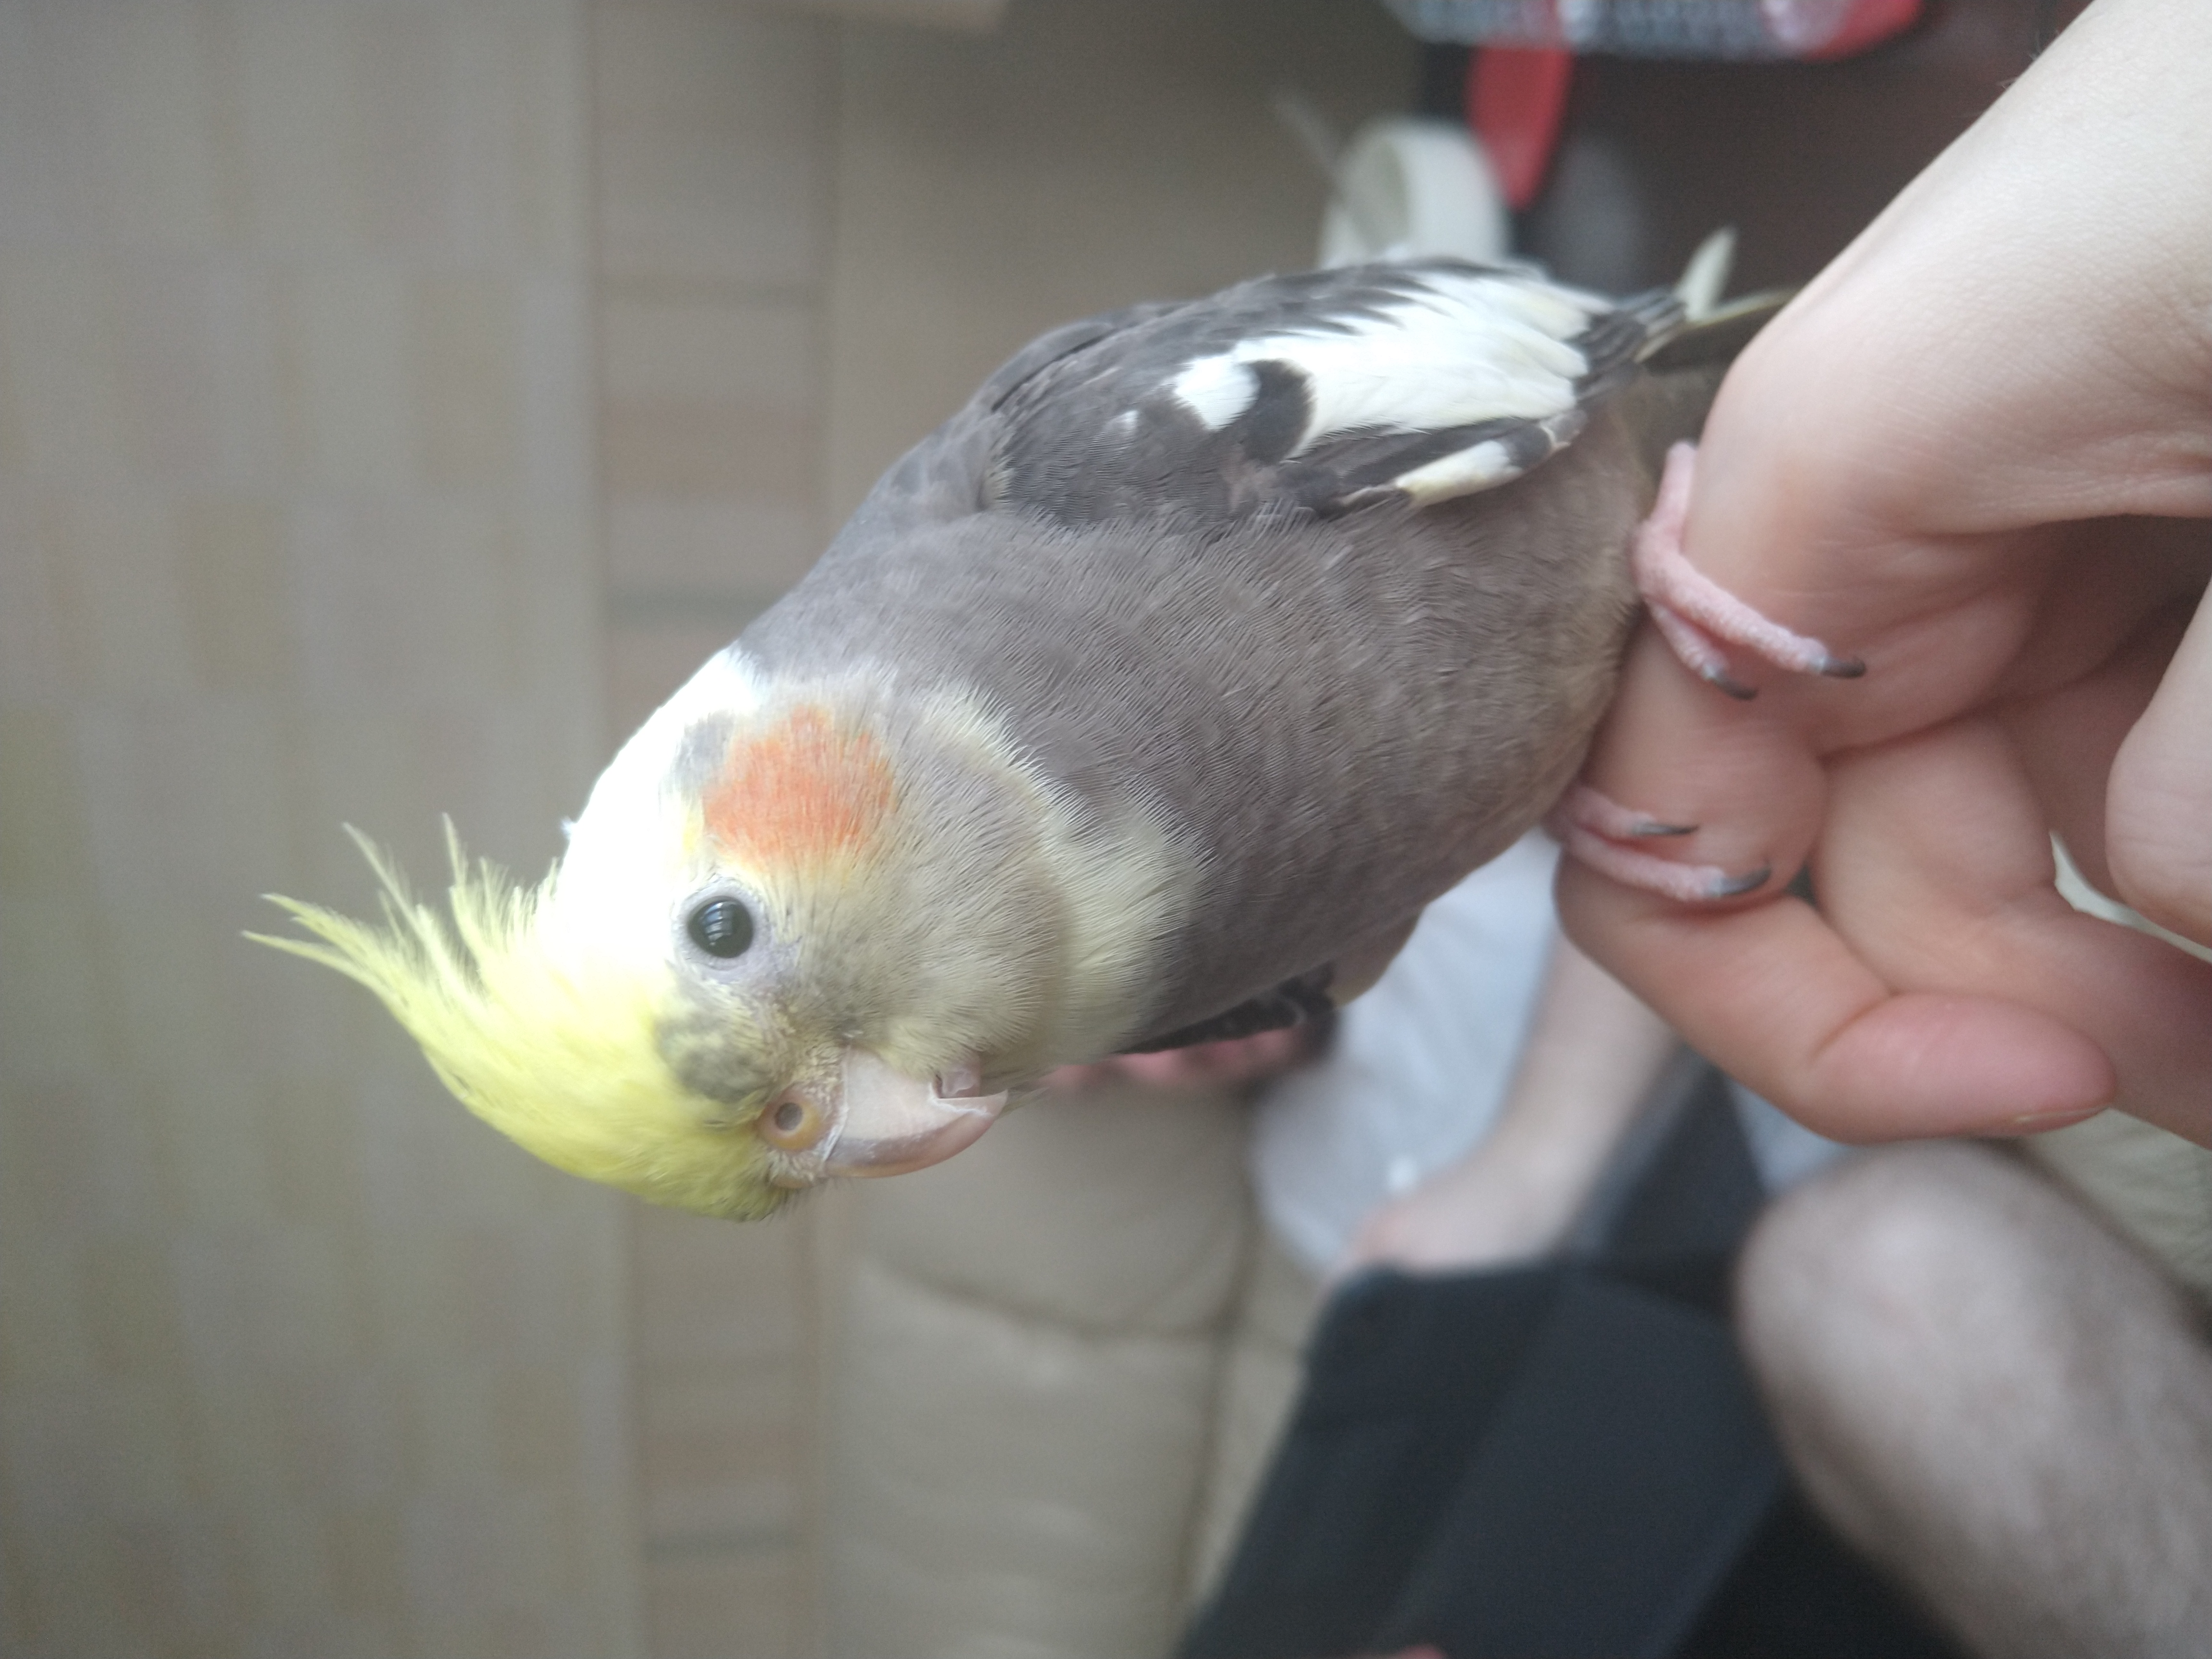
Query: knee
x=1873 y=1269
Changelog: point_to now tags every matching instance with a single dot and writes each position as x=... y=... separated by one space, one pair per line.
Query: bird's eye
x=795 y=1123
x=721 y=927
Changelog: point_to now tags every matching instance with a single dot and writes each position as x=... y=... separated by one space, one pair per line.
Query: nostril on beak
x=961 y=1081
x=793 y=1124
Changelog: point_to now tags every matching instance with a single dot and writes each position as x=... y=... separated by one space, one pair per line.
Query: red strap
x=1515 y=98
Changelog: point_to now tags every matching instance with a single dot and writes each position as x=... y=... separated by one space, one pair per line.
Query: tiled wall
x=298 y=525
x=397 y=400
x=712 y=140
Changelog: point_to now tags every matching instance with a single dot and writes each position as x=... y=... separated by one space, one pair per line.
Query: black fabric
x=1796 y=1593
x=1562 y=1460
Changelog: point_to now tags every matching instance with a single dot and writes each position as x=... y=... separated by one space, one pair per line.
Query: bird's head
x=797 y=932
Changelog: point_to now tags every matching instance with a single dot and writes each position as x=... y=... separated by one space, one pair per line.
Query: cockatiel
x=1148 y=699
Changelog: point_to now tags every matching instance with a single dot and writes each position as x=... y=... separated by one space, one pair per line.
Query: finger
x=1674 y=748
x=2159 y=820
x=1775 y=997
x=1937 y=868
x=2066 y=739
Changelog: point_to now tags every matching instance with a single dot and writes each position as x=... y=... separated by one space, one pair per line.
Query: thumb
x=2158 y=806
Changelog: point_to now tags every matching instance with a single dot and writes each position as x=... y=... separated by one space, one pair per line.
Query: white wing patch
x=1479 y=467
x=1217 y=389
x=1474 y=347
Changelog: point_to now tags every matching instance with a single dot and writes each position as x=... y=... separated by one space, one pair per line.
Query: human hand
x=1964 y=454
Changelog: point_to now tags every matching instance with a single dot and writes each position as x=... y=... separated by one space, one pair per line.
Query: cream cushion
x=1063 y=1359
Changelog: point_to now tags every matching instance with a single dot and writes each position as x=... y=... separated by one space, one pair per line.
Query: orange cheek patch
x=805 y=791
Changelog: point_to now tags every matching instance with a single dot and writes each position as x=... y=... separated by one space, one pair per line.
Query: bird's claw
x=1695 y=614
x=1592 y=827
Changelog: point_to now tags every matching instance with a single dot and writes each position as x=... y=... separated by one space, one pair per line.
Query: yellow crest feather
x=560 y=1055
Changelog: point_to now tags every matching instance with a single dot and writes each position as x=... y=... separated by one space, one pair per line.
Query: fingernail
x=1735 y=886
x=1721 y=680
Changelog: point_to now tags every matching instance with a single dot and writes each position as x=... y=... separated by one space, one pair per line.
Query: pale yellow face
x=795 y=935
x=646 y=1016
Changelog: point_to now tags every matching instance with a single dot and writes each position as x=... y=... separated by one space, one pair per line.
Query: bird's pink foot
x=1598 y=830
x=1695 y=614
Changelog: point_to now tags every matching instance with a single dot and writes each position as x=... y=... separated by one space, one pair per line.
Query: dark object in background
x=1798 y=157
x=1555 y=1461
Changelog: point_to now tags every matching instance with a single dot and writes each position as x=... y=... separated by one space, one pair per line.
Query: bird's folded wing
x=1318 y=392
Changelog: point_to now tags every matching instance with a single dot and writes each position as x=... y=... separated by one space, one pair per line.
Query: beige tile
x=109 y=559
x=1078 y=159
x=35 y=658
x=43 y=823
x=55 y=1018
x=75 y=1160
x=723 y=1455
x=363 y=1544
x=726 y=1606
x=712 y=124
x=711 y=440
x=46 y=1348
x=452 y=133
x=557 y=395
x=702 y=350
x=713 y=1293
x=123 y=1281
x=407 y=599
x=725 y=447
x=67 y=409
x=234 y=582
x=111 y=123
x=743 y=553
x=650 y=653
x=344 y=353
x=467 y=371
x=296 y=460
x=137 y=368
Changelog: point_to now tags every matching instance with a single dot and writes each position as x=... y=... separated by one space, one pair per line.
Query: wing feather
x=1322 y=393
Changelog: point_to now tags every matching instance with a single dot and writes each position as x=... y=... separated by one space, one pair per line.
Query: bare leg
x=1994 y=1397
x=1592 y=1055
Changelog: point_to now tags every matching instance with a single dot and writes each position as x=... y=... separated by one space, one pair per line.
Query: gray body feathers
x=1189 y=594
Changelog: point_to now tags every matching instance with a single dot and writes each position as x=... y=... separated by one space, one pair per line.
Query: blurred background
x=396 y=401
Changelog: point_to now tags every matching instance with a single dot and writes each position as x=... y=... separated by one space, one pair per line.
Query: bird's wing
x=1324 y=391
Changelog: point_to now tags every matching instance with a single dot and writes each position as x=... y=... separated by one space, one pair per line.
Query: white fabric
x=1785 y=1151
x=1421 y=1064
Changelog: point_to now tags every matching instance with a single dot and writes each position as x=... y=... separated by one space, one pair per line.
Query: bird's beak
x=886 y=1122
x=894 y=1123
